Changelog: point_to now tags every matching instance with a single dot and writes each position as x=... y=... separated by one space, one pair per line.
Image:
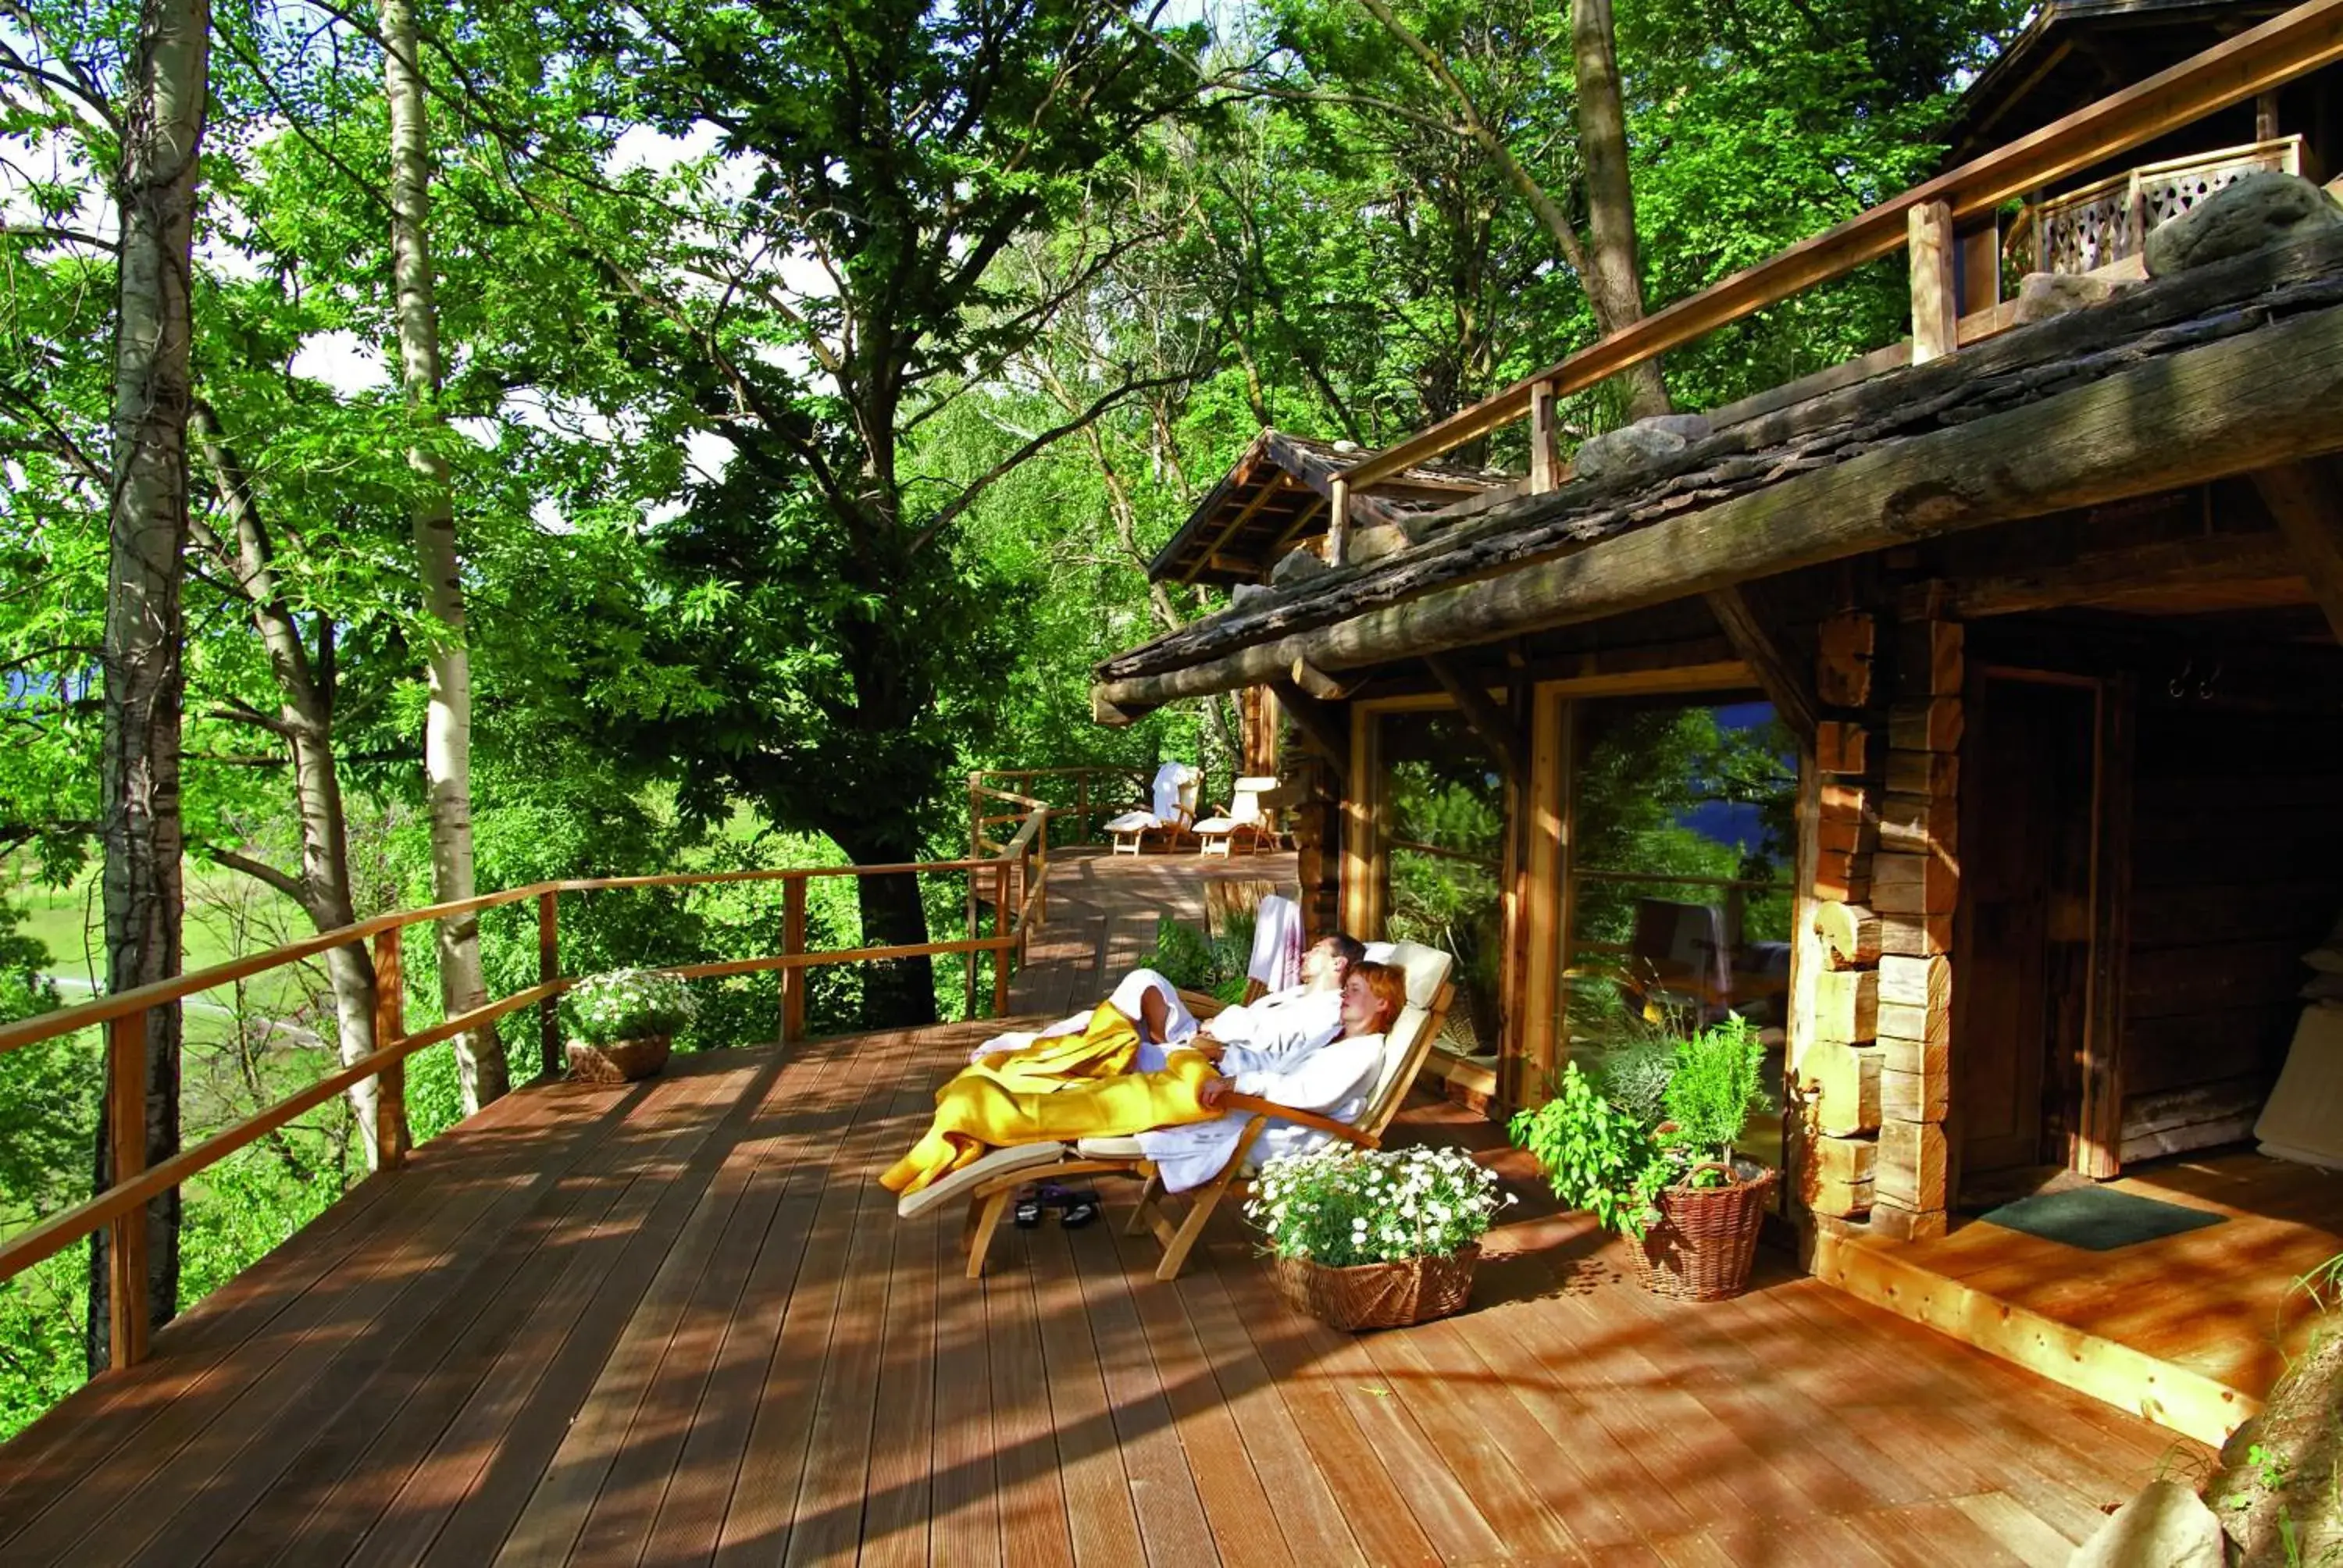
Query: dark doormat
x=2099 y=1219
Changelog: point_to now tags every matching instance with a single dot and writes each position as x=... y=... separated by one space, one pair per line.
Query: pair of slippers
x=1077 y=1207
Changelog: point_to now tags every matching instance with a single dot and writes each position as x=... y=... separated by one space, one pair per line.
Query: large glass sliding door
x=1680 y=848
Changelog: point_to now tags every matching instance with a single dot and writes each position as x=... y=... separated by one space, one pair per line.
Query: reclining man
x=1004 y=1100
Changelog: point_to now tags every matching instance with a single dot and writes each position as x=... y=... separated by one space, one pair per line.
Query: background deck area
x=679 y=1322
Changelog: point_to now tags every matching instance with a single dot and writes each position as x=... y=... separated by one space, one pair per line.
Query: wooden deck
x=679 y=1322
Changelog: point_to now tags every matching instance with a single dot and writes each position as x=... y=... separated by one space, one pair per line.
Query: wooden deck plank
x=1304 y=1505
x=1100 y=1517
x=2016 y=1529
x=1164 y=1488
x=276 y=1377
x=190 y=1368
x=337 y=1484
x=826 y=1100
x=899 y=1500
x=472 y=1496
x=1235 y=1501
x=1035 y=1526
x=1929 y=1535
x=761 y=1521
x=965 y=1529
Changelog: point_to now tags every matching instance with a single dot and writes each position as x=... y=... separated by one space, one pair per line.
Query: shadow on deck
x=679 y=1322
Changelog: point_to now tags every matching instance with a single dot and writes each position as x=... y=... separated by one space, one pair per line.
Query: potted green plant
x=1372 y=1238
x=622 y=1024
x=1648 y=1148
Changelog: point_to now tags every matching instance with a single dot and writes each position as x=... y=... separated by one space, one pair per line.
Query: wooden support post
x=1545 y=451
x=1325 y=726
x=1790 y=693
x=389 y=1028
x=1315 y=682
x=548 y=970
x=1338 y=524
x=1000 y=927
x=128 y=1305
x=2265 y=115
x=793 y=942
x=2306 y=499
x=1489 y=723
x=1981 y=268
x=1935 y=304
x=1082 y=808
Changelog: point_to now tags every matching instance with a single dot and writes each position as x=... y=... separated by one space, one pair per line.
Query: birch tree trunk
x=447 y=726
x=1615 y=276
x=162 y=128
x=304 y=722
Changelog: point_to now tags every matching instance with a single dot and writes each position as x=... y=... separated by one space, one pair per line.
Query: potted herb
x=1375 y=1239
x=1648 y=1148
x=622 y=1023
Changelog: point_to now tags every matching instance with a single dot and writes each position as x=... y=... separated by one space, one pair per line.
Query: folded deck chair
x=991 y=1183
x=1167 y=818
x=1243 y=814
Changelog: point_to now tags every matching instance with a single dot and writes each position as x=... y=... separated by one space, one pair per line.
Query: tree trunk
x=147 y=535
x=304 y=723
x=447 y=726
x=1614 y=278
x=899 y=993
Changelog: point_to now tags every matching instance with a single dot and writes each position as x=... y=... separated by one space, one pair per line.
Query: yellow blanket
x=1053 y=1091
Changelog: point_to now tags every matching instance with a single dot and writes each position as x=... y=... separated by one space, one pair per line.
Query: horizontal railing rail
x=1015 y=788
x=2289 y=46
x=1019 y=874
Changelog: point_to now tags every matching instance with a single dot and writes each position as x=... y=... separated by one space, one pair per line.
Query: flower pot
x=616 y=1060
x=1701 y=1247
x=1377 y=1295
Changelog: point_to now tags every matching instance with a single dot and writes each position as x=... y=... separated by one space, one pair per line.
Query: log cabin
x=1964 y=716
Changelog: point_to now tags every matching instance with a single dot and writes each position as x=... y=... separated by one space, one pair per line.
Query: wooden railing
x=1097 y=792
x=2109 y=220
x=1016 y=873
x=1921 y=219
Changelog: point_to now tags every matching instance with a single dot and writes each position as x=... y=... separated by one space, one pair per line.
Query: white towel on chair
x=1170 y=779
x=1276 y=944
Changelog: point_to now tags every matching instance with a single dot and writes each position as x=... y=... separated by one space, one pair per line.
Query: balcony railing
x=1011 y=877
x=2109 y=220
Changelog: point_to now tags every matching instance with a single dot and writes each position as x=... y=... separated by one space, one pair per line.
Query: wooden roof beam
x=2306 y=499
x=1488 y=720
x=2243 y=402
x=1324 y=725
x=1778 y=677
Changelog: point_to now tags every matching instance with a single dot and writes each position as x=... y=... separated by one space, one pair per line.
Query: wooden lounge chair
x=1138 y=827
x=991 y=1183
x=1217 y=834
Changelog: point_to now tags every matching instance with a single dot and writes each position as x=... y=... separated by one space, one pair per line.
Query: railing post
x=1042 y=904
x=548 y=970
x=125 y=1089
x=1338 y=523
x=793 y=940
x=389 y=1028
x=1001 y=924
x=975 y=818
x=1545 y=452
x=1082 y=806
x=1935 y=304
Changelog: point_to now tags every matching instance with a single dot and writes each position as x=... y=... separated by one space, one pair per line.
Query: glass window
x=1682 y=833
x=1444 y=816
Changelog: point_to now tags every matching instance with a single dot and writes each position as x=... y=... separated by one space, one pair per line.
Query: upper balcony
x=2106 y=223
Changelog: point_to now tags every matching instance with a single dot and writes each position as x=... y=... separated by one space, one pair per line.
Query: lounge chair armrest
x=1309 y=1119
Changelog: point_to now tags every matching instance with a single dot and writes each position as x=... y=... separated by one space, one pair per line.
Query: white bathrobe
x=1178 y=1025
x=1282 y=1026
x=1332 y=1078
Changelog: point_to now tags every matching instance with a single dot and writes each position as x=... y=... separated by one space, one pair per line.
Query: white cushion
x=1216 y=825
x=1122 y=1148
x=1134 y=822
x=1426 y=970
x=961 y=1182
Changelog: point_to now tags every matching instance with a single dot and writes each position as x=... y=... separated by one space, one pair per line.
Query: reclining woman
x=996 y=1106
x=1135 y=1028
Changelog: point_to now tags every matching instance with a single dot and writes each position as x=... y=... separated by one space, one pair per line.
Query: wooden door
x=2022 y=941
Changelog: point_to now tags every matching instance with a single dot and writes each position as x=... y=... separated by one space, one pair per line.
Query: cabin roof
x=1775 y=443
x=1276 y=495
x=2074 y=52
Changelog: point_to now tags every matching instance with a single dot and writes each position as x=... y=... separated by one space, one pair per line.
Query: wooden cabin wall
x=2236 y=852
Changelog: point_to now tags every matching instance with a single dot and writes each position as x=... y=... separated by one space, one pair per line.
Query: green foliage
x=1636 y=1079
x=1191 y=960
x=627 y=1004
x=1713 y=1087
x=1596 y=1156
x=1343 y=1207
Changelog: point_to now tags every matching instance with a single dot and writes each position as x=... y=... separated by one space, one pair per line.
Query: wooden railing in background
x=2286 y=47
x=1016 y=873
x=1097 y=791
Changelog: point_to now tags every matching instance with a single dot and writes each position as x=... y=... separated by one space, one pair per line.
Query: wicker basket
x=619 y=1060
x=1701 y=1247
x=1377 y=1295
